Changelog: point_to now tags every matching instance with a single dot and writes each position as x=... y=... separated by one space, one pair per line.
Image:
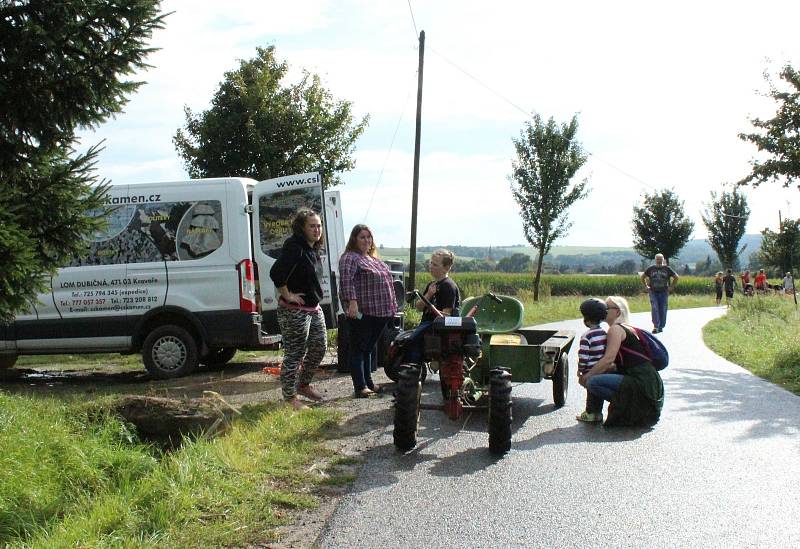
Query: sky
x=661 y=91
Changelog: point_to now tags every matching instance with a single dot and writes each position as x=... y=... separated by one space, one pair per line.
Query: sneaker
x=587 y=417
x=309 y=392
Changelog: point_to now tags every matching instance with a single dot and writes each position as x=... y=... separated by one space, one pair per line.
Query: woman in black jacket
x=299 y=314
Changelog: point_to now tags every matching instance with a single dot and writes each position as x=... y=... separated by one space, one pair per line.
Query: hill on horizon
x=694 y=251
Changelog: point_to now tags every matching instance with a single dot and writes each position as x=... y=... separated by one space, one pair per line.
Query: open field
x=761 y=334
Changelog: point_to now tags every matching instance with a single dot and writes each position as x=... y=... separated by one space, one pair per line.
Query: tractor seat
x=508 y=339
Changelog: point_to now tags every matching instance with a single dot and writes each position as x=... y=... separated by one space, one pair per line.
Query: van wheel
x=169 y=351
x=218 y=358
x=7 y=361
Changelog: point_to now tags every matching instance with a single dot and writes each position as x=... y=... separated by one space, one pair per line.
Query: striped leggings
x=305 y=341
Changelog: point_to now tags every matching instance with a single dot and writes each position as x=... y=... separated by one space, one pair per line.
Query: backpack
x=654 y=350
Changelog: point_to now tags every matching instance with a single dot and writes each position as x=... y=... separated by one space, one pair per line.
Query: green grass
x=761 y=334
x=70 y=476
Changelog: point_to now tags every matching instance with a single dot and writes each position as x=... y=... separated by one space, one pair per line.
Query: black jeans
x=364 y=334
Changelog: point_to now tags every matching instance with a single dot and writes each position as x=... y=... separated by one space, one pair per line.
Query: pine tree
x=63 y=65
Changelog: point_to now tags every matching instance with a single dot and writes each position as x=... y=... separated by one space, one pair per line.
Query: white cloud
x=661 y=90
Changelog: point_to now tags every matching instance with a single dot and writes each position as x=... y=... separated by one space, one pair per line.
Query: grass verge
x=70 y=476
x=761 y=334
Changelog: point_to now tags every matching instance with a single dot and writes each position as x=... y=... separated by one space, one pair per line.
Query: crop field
x=521 y=284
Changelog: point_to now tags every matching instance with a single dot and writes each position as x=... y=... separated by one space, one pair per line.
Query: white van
x=180 y=274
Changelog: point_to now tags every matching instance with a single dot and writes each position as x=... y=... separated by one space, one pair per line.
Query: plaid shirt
x=367 y=280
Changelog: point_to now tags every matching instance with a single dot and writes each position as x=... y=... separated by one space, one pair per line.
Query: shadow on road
x=735 y=397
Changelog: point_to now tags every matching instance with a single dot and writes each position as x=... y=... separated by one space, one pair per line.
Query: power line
x=388 y=154
x=527 y=113
x=413 y=22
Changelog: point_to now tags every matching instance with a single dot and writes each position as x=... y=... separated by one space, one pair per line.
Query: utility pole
x=412 y=275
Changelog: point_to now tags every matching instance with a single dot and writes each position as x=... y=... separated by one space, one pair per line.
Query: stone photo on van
x=168 y=231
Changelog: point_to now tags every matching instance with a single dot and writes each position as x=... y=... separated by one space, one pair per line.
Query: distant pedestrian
x=718 y=287
x=660 y=280
x=745 y=279
x=729 y=284
x=761 y=281
x=591 y=350
x=788 y=283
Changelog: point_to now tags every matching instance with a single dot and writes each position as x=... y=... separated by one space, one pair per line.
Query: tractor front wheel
x=406 y=407
x=561 y=381
x=499 y=411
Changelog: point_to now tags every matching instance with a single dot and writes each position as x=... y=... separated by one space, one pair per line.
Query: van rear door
x=334 y=238
x=275 y=202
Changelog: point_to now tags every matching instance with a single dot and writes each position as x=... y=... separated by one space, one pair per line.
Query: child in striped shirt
x=592 y=348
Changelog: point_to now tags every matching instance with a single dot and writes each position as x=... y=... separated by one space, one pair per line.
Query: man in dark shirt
x=660 y=280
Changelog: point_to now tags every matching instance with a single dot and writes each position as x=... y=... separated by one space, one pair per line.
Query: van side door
x=275 y=202
x=84 y=310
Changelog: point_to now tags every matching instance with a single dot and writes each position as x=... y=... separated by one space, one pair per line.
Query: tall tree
x=548 y=157
x=260 y=127
x=779 y=137
x=781 y=250
x=63 y=65
x=726 y=221
x=660 y=225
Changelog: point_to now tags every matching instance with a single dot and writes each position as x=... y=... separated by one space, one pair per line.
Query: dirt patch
x=363 y=420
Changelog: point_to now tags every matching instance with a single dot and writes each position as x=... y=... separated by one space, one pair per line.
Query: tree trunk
x=537 y=278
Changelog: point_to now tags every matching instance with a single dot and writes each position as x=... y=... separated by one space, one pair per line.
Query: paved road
x=721 y=469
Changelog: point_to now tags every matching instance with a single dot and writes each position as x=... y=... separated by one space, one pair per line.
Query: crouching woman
x=627 y=380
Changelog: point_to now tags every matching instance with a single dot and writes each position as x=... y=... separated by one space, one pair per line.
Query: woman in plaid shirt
x=367 y=293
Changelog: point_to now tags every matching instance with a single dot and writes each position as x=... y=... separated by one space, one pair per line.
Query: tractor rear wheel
x=406 y=407
x=561 y=381
x=499 y=411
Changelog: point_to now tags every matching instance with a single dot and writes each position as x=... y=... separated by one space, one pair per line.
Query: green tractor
x=478 y=356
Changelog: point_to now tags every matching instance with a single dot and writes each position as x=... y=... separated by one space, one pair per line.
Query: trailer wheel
x=7 y=361
x=406 y=408
x=561 y=381
x=218 y=358
x=169 y=351
x=499 y=411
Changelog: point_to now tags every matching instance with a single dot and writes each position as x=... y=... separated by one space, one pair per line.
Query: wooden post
x=412 y=275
